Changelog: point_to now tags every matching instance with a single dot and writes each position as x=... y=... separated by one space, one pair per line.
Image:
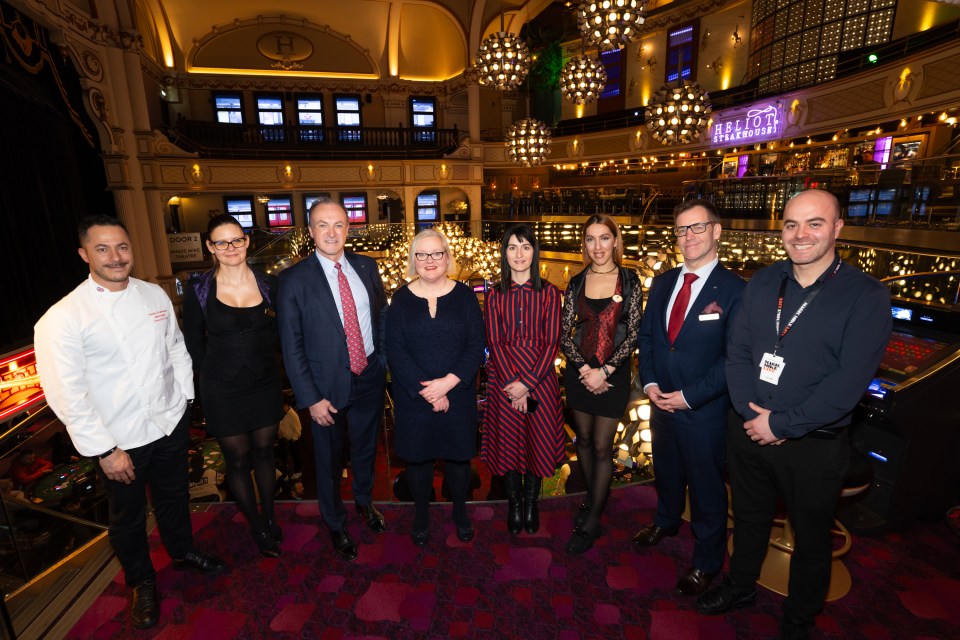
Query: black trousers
x=161 y=466
x=360 y=420
x=807 y=474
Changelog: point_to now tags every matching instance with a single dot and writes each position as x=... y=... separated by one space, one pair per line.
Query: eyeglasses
x=696 y=227
x=435 y=256
x=236 y=243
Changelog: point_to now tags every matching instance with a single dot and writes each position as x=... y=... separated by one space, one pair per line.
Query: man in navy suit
x=328 y=308
x=682 y=342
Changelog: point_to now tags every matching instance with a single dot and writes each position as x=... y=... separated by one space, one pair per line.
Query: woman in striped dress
x=523 y=424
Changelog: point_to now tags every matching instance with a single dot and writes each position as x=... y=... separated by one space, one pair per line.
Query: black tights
x=595 y=453
x=242 y=451
x=420 y=477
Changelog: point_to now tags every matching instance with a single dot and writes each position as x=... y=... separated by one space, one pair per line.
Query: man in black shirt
x=805 y=344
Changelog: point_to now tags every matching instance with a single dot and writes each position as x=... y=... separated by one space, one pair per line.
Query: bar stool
x=775 y=572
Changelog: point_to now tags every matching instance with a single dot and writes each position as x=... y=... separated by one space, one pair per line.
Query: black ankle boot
x=511 y=483
x=531 y=512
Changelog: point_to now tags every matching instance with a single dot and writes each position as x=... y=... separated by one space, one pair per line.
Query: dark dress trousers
x=688 y=445
x=315 y=354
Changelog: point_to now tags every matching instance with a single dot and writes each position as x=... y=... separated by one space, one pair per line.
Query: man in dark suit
x=682 y=342
x=329 y=308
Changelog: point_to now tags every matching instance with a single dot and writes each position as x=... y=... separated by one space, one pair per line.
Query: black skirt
x=610 y=404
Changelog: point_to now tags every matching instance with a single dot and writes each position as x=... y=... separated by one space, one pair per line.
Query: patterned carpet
x=906 y=587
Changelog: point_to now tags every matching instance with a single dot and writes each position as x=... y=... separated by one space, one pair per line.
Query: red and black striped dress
x=523 y=333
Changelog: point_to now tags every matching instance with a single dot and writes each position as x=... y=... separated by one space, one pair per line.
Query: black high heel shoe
x=266 y=543
x=582 y=540
x=582 y=512
x=275 y=530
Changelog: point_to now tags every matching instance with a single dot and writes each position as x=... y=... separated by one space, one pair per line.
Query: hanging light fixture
x=582 y=79
x=503 y=60
x=263 y=199
x=610 y=24
x=677 y=115
x=528 y=142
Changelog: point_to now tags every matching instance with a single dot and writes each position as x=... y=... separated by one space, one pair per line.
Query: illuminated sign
x=19 y=383
x=759 y=123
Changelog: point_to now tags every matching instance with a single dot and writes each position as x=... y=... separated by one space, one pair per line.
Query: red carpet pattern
x=906 y=586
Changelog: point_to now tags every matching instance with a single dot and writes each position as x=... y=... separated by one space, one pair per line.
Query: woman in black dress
x=434 y=348
x=230 y=329
x=601 y=316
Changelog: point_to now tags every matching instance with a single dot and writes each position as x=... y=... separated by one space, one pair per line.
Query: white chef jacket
x=114 y=383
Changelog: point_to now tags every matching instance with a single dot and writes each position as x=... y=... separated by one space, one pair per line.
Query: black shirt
x=830 y=354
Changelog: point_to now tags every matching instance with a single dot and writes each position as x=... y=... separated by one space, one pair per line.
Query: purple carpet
x=906 y=587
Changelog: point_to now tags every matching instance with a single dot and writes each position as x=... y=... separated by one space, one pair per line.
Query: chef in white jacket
x=115 y=370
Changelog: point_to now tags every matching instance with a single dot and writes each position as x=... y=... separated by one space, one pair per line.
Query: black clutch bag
x=532 y=405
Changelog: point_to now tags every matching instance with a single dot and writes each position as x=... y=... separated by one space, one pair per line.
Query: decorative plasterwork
x=280 y=45
x=677 y=13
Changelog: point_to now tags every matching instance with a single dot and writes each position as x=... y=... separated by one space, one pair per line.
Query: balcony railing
x=310 y=142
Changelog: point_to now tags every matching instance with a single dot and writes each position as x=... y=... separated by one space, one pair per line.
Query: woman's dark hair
x=221 y=219
x=522 y=232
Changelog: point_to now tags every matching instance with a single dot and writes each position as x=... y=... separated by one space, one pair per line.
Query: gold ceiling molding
x=676 y=13
x=280 y=46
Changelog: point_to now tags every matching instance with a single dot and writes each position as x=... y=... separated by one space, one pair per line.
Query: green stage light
x=872 y=58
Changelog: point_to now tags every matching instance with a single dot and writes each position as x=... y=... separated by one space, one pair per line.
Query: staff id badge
x=771 y=366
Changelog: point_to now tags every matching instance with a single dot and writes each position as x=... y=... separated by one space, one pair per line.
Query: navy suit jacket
x=312 y=339
x=695 y=362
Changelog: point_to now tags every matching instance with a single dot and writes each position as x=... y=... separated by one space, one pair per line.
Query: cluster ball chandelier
x=503 y=60
x=528 y=142
x=582 y=79
x=610 y=24
x=677 y=115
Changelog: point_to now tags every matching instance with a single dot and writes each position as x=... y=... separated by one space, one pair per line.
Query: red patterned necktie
x=679 y=309
x=351 y=325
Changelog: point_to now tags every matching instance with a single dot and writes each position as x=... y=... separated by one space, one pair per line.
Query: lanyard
x=803 y=306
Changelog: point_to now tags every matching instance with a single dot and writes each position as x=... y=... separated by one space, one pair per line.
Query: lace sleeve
x=569 y=317
x=621 y=354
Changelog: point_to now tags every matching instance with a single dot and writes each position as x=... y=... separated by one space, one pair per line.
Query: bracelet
x=107 y=454
x=606 y=373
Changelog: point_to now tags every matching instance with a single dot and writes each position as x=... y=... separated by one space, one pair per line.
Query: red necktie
x=351 y=325
x=679 y=309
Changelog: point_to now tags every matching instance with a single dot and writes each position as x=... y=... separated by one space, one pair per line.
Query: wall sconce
x=705 y=40
x=370 y=169
x=263 y=199
x=737 y=40
x=443 y=171
x=651 y=64
x=288 y=172
x=716 y=65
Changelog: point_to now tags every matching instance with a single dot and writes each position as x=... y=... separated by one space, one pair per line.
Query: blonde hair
x=429 y=233
x=611 y=224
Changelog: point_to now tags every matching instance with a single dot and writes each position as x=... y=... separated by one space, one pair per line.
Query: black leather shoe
x=582 y=512
x=793 y=629
x=201 y=562
x=372 y=517
x=693 y=583
x=582 y=540
x=343 y=544
x=145 y=605
x=651 y=535
x=420 y=538
x=725 y=597
x=465 y=534
x=266 y=543
x=275 y=530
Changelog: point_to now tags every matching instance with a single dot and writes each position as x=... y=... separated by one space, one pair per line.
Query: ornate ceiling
x=420 y=40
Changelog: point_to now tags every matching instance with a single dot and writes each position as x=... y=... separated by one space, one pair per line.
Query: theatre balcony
x=310 y=142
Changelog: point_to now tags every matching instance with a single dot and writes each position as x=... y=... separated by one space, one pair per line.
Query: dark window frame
x=217 y=110
x=311 y=132
x=348 y=133
x=436 y=208
x=423 y=133
x=253 y=212
x=683 y=56
x=366 y=206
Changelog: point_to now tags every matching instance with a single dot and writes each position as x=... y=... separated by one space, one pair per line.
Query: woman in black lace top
x=601 y=316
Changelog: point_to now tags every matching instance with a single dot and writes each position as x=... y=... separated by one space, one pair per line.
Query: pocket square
x=713 y=307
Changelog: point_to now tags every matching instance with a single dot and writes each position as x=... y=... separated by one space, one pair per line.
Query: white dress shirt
x=360 y=298
x=114 y=366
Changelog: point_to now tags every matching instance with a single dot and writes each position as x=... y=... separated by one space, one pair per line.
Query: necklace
x=600 y=273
